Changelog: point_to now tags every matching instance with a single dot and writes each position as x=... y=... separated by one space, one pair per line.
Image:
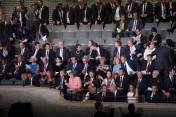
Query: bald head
x=18 y=8
x=130 y=43
x=164 y=42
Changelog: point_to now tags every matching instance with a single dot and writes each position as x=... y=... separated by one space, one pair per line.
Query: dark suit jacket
x=94 y=10
x=51 y=55
x=132 y=114
x=66 y=55
x=38 y=55
x=14 y=14
x=130 y=63
x=149 y=12
x=138 y=26
x=82 y=15
x=72 y=16
x=90 y=66
x=95 y=81
x=64 y=86
x=8 y=68
x=2 y=28
x=121 y=11
x=21 y=68
x=26 y=54
x=44 y=31
x=8 y=32
x=144 y=66
x=143 y=40
x=109 y=11
x=102 y=53
x=125 y=85
x=135 y=7
x=45 y=15
x=155 y=99
x=103 y=114
x=87 y=52
x=77 y=12
x=56 y=17
x=77 y=68
x=107 y=98
x=142 y=86
x=8 y=56
x=158 y=12
x=157 y=38
x=122 y=52
x=164 y=59
x=157 y=81
x=167 y=84
x=49 y=67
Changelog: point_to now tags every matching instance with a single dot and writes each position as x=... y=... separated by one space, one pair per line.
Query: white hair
x=35 y=59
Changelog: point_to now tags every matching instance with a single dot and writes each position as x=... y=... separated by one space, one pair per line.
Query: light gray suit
x=30 y=19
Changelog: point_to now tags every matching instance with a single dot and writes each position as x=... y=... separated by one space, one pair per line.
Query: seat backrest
x=71 y=28
x=84 y=28
x=58 y=28
x=97 y=27
x=109 y=27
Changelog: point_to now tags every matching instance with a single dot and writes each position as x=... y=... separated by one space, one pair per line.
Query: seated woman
x=33 y=67
x=116 y=67
x=120 y=28
x=78 y=53
x=150 y=48
x=132 y=95
x=109 y=80
x=58 y=66
x=155 y=37
x=49 y=80
x=102 y=69
x=91 y=95
x=74 y=85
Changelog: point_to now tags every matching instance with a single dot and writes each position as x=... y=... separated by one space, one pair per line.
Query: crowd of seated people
x=135 y=73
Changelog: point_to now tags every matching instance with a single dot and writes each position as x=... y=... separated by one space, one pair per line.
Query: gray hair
x=35 y=58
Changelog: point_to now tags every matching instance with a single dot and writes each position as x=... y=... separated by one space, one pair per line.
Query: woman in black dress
x=58 y=66
x=78 y=53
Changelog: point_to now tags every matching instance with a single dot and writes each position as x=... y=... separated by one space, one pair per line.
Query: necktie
x=134 y=26
x=125 y=68
x=118 y=52
x=22 y=52
x=172 y=79
x=148 y=67
x=109 y=83
x=45 y=68
x=4 y=53
x=139 y=81
x=120 y=83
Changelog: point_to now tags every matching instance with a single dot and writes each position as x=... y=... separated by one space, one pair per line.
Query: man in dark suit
x=153 y=96
x=131 y=109
x=18 y=67
x=140 y=84
x=78 y=10
x=74 y=66
x=109 y=11
x=104 y=95
x=127 y=65
x=85 y=15
x=2 y=26
x=86 y=67
x=146 y=12
x=113 y=89
x=62 y=52
x=5 y=70
x=24 y=52
x=9 y=32
x=90 y=49
x=5 y=53
x=130 y=8
x=91 y=80
x=162 y=12
x=139 y=39
x=118 y=50
x=118 y=11
x=48 y=53
x=133 y=25
x=134 y=53
x=60 y=82
x=20 y=16
x=94 y=10
x=155 y=37
x=58 y=16
x=172 y=9
x=43 y=13
x=98 y=53
x=169 y=86
x=31 y=80
x=44 y=66
x=37 y=52
x=122 y=83
x=147 y=66
x=23 y=6
x=164 y=58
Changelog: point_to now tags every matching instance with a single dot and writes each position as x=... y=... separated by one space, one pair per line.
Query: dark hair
x=3 y=59
x=76 y=46
x=119 y=42
x=103 y=86
x=95 y=44
x=119 y=1
x=47 y=44
x=92 y=71
x=73 y=1
x=122 y=69
x=97 y=105
x=154 y=85
x=154 y=29
x=37 y=43
x=13 y=18
x=170 y=69
x=149 y=55
x=59 y=58
x=131 y=107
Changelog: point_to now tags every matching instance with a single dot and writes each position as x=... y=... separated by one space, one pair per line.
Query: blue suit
x=77 y=69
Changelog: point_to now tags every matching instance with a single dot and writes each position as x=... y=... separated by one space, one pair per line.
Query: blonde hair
x=73 y=73
x=114 y=62
x=103 y=59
